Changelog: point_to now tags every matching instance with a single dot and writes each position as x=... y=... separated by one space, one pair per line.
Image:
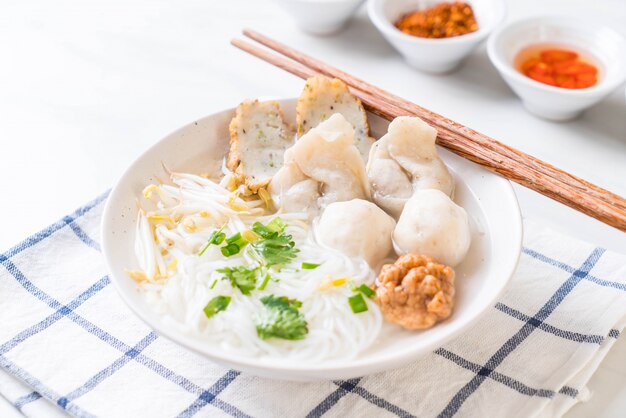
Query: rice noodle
x=186 y=215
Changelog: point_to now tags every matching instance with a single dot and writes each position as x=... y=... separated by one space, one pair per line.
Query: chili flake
x=443 y=20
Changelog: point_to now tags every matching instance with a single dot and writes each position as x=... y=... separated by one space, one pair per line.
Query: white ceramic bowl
x=434 y=55
x=604 y=45
x=201 y=145
x=320 y=17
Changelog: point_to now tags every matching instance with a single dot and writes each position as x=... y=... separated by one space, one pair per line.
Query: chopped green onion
x=219 y=238
x=277 y=225
x=309 y=266
x=237 y=239
x=266 y=279
x=232 y=239
x=215 y=305
x=261 y=230
x=357 y=303
x=234 y=244
x=366 y=290
x=213 y=285
x=216 y=238
x=230 y=249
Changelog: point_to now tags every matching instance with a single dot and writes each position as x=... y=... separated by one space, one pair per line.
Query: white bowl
x=604 y=44
x=201 y=145
x=434 y=55
x=320 y=17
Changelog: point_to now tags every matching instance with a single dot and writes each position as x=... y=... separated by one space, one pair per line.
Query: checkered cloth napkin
x=68 y=345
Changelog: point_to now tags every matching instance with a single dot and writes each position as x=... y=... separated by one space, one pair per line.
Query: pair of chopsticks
x=495 y=156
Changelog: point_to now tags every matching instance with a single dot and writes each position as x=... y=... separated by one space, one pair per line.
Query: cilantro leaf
x=275 y=247
x=241 y=277
x=215 y=305
x=287 y=324
x=266 y=280
x=276 y=251
x=281 y=319
x=280 y=302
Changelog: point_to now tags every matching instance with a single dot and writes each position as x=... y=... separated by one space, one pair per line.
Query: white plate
x=201 y=145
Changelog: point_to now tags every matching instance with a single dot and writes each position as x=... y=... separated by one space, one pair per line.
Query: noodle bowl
x=201 y=147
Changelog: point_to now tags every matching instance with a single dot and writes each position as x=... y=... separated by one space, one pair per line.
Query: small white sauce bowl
x=434 y=55
x=320 y=17
x=604 y=46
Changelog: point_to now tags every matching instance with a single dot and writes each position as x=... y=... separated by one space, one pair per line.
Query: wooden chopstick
x=439 y=121
x=599 y=205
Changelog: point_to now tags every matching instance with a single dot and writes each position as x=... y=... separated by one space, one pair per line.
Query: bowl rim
x=507 y=69
x=374 y=9
x=290 y=370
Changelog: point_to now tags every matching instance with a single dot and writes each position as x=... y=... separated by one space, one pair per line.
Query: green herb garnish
x=237 y=239
x=216 y=238
x=241 y=277
x=230 y=249
x=266 y=279
x=275 y=247
x=309 y=266
x=281 y=319
x=357 y=303
x=261 y=230
x=277 y=225
x=366 y=290
x=280 y=302
x=234 y=244
x=213 y=285
x=215 y=305
x=278 y=251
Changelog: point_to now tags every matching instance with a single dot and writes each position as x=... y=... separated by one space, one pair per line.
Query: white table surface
x=86 y=86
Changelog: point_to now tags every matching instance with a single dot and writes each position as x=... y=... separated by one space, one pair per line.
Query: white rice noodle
x=335 y=332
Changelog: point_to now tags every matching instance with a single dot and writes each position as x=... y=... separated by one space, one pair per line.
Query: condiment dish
x=320 y=17
x=434 y=55
x=489 y=199
x=604 y=46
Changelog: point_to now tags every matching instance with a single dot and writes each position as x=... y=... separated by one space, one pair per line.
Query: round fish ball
x=357 y=228
x=432 y=224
